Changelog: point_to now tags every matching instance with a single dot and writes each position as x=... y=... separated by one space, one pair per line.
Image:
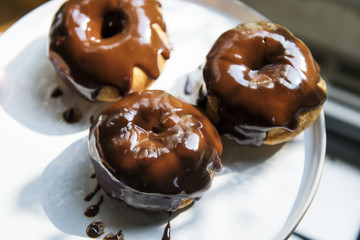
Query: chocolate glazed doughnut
x=263 y=84
x=106 y=49
x=154 y=151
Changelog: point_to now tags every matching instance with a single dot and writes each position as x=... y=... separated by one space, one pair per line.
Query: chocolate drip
x=72 y=115
x=166 y=234
x=57 y=92
x=111 y=31
x=92 y=194
x=93 y=210
x=95 y=229
x=153 y=143
x=262 y=77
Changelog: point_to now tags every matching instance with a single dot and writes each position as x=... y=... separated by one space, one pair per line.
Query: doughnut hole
x=114 y=22
x=146 y=117
x=260 y=61
x=268 y=65
x=270 y=50
x=272 y=54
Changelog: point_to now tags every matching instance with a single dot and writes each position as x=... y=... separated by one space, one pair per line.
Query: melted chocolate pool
x=95 y=229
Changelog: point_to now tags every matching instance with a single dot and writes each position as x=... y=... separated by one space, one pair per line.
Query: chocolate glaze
x=95 y=229
x=166 y=234
x=263 y=77
x=158 y=148
x=72 y=115
x=93 y=210
x=95 y=43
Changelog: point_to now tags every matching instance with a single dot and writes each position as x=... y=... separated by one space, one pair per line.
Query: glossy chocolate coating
x=263 y=77
x=153 y=151
x=96 y=43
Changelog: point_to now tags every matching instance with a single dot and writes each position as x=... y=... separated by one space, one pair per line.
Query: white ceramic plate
x=262 y=193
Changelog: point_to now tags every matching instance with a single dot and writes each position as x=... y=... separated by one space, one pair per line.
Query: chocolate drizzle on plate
x=92 y=194
x=112 y=236
x=166 y=234
x=92 y=210
x=72 y=115
x=57 y=92
x=95 y=229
